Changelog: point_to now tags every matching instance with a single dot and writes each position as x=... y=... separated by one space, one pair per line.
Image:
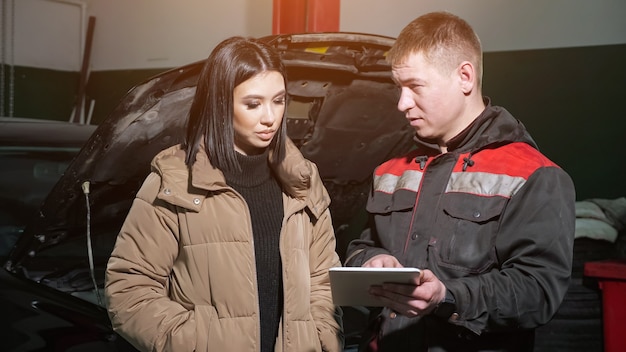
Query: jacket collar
x=295 y=174
x=495 y=125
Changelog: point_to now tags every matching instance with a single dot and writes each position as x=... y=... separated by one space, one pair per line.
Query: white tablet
x=350 y=285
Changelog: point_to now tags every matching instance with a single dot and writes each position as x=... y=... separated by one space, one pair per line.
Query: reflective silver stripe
x=388 y=183
x=485 y=184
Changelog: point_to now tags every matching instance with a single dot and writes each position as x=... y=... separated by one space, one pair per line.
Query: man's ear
x=467 y=76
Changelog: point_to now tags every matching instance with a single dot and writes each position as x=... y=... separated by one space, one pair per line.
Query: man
x=487 y=217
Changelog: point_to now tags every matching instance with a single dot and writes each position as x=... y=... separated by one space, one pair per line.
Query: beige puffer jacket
x=182 y=273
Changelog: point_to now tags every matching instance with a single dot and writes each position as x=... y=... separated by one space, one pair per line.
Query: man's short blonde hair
x=444 y=39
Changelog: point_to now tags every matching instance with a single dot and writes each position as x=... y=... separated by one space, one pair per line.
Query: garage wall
x=571 y=100
x=503 y=25
x=142 y=34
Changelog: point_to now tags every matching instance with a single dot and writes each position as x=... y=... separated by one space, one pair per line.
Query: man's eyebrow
x=408 y=81
x=395 y=80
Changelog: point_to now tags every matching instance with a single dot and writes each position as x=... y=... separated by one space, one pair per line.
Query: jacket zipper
x=423 y=161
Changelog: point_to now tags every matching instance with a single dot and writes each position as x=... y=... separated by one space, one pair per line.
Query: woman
x=228 y=243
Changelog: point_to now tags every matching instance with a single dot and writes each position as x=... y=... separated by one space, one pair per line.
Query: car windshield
x=26 y=177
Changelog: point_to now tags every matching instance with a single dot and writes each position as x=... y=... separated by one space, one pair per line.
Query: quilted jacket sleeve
x=137 y=278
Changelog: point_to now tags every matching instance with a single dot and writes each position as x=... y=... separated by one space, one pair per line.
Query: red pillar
x=298 y=16
x=323 y=16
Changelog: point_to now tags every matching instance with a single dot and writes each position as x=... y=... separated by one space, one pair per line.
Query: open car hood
x=341 y=113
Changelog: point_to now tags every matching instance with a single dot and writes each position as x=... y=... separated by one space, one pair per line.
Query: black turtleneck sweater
x=263 y=194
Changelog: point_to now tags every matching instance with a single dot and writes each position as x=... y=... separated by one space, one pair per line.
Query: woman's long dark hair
x=232 y=62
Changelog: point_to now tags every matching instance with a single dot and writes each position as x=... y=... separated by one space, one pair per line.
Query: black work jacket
x=494 y=220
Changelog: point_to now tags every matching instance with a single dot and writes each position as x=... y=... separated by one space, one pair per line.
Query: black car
x=34 y=154
x=341 y=113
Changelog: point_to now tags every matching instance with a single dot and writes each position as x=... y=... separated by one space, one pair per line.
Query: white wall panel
x=168 y=33
x=130 y=34
x=44 y=34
